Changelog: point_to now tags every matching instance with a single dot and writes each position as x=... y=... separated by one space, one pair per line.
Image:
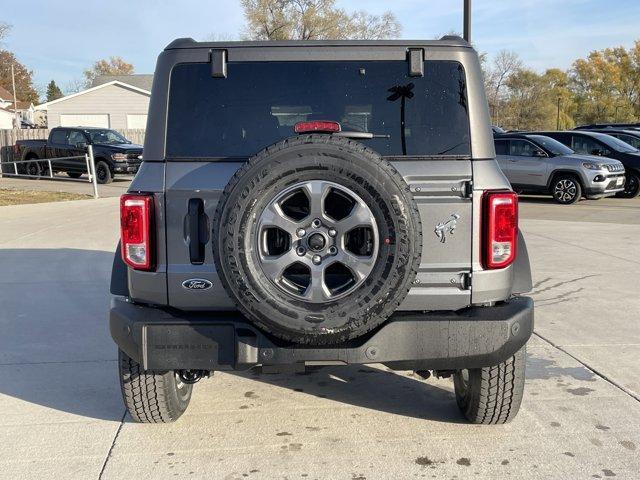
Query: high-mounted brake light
x=136 y=230
x=500 y=222
x=321 y=126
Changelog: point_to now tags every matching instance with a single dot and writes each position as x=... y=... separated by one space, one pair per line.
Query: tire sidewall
x=103 y=167
x=634 y=178
x=341 y=162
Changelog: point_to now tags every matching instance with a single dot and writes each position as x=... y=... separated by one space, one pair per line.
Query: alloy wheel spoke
x=273 y=266
x=316 y=190
x=273 y=216
x=361 y=266
x=317 y=291
x=360 y=216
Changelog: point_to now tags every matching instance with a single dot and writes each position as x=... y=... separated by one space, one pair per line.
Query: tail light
x=136 y=230
x=321 y=126
x=500 y=229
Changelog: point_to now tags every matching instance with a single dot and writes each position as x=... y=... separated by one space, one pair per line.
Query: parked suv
x=630 y=136
x=539 y=164
x=602 y=145
x=593 y=126
x=320 y=203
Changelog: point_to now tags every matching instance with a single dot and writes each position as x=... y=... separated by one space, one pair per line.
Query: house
x=25 y=110
x=6 y=97
x=6 y=119
x=120 y=102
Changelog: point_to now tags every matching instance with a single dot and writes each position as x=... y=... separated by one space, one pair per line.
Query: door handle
x=197 y=231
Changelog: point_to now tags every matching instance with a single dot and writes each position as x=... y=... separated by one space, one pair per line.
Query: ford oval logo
x=197 y=284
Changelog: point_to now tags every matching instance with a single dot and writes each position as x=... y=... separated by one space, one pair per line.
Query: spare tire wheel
x=317 y=239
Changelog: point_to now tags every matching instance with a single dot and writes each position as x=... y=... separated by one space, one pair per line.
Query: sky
x=59 y=39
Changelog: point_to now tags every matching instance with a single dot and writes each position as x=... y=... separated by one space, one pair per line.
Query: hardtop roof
x=446 y=41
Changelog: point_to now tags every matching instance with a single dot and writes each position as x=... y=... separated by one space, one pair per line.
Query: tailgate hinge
x=466 y=281
x=218 y=63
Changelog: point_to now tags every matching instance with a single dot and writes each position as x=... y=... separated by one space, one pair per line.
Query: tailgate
x=439 y=187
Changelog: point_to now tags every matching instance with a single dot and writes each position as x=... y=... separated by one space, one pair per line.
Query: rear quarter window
x=259 y=103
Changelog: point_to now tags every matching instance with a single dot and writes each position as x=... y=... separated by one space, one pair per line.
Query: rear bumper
x=473 y=338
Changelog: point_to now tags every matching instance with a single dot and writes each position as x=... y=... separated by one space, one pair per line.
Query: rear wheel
x=491 y=395
x=152 y=397
x=566 y=189
x=34 y=169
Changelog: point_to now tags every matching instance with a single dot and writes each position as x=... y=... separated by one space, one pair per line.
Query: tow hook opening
x=192 y=376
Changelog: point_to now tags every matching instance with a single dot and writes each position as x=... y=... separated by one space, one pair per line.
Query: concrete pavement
x=62 y=415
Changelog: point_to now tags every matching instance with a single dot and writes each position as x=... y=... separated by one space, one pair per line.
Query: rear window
x=260 y=102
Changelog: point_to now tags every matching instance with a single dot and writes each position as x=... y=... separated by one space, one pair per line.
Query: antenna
x=467 y=21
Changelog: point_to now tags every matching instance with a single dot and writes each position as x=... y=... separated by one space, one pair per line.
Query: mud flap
x=522 y=282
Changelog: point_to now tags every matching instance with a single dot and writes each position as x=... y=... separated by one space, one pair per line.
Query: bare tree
x=312 y=20
x=374 y=27
x=504 y=65
x=74 y=86
x=5 y=28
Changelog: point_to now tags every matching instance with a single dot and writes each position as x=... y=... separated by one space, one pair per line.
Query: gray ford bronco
x=320 y=203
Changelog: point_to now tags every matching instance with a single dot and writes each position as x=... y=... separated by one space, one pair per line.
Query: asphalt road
x=61 y=415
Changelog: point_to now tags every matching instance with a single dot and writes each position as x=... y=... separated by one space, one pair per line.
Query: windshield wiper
x=360 y=135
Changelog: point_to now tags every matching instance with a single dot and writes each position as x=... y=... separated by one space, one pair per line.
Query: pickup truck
x=113 y=153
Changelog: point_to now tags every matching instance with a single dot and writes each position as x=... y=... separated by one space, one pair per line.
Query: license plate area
x=619 y=181
x=202 y=347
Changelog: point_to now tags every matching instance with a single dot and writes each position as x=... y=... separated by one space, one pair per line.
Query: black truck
x=113 y=153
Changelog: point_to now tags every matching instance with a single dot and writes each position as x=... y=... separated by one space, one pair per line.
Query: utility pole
x=558 y=115
x=467 y=21
x=15 y=101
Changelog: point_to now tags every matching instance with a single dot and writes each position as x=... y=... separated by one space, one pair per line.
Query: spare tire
x=317 y=239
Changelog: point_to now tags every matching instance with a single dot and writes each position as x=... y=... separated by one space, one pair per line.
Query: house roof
x=5 y=94
x=44 y=106
x=140 y=80
x=21 y=105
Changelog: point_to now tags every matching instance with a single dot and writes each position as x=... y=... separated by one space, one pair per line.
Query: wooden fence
x=8 y=139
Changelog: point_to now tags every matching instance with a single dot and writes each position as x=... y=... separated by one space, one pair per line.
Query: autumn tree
x=113 y=66
x=53 y=91
x=25 y=90
x=313 y=20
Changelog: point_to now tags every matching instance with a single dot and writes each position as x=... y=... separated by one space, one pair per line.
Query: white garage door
x=84 y=120
x=135 y=121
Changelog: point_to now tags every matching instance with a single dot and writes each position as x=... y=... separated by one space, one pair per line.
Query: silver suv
x=320 y=203
x=540 y=164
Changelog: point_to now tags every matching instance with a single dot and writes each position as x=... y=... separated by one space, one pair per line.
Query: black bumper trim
x=475 y=337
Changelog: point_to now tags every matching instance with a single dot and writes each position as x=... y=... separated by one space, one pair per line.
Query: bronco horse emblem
x=449 y=227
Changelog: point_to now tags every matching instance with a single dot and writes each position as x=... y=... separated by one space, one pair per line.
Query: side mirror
x=597 y=151
x=81 y=145
x=539 y=153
